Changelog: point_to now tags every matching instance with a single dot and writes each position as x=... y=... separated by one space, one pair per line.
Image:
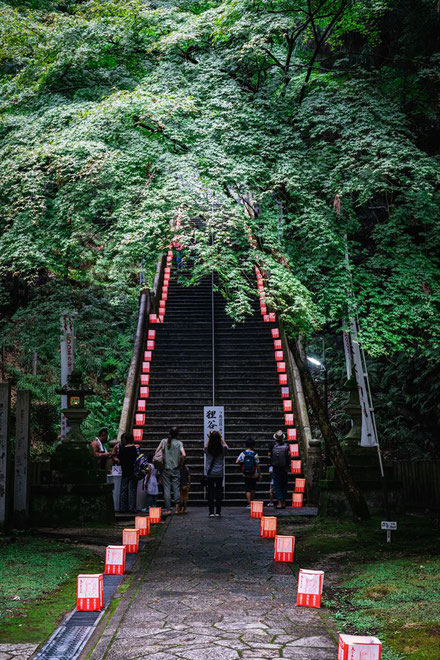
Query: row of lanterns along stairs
x=178 y=375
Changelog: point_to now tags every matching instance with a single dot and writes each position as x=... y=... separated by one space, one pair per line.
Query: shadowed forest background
x=321 y=115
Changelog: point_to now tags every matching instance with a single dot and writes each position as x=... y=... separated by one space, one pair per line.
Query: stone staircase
x=246 y=384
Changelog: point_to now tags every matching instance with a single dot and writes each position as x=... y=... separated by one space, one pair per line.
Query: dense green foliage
x=117 y=116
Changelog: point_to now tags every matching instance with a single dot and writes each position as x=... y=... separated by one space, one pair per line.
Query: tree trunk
x=354 y=497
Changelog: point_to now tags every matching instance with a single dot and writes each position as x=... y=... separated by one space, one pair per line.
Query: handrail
x=148 y=302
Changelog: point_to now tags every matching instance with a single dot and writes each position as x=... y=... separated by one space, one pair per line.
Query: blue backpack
x=140 y=467
x=249 y=465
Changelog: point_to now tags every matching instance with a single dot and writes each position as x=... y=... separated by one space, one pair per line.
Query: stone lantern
x=78 y=491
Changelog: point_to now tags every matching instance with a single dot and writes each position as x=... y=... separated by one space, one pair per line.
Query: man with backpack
x=250 y=469
x=280 y=457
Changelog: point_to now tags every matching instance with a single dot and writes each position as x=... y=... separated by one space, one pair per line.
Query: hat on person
x=279 y=435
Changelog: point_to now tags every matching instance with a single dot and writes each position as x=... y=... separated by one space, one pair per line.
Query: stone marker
x=22 y=446
x=5 y=402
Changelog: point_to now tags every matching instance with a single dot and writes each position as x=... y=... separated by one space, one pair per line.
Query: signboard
x=213 y=420
x=388 y=525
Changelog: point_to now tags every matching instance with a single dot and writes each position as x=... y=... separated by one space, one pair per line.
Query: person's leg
x=211 y=487
x=183 y=498
x=123 y=494
x=218 y=495
x=277 y=483
x=175 y=484
x=166 y=481
x=132 y=493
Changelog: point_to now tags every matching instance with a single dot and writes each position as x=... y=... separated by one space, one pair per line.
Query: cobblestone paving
x=213 y=593
x=16 y=651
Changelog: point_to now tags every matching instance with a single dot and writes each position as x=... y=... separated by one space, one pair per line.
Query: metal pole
x=213 y=337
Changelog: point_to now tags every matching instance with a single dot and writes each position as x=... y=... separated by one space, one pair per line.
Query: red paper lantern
x=294 y=450
x=287 y=405
x=145 y=392
x=142 y=523
x=281 y=367
x=139 y=419
x=151 y=334
x=295 y=467
x=137 y=435
x=263 y=309
x=275 y=333
x=164 y=295
x=130 y=538
x=279 y=356
x=353 y=647
x=272 y=317
x=161 y=318
x=90 y=593
x=141 y=405
x=309 y=592
x=291 y=434
x=148 y=356
x=162 y=305
x=150 y=344
x=300 y=485
x=256 y=509
x=115 y=560
x=285 y=392
x=297 y=499
x=153 y=318
x=268 y=527
x=155 y=514
x=277 y=344
x=167 y=271
x=145 y=379
x=282 y=378
x=283 y=548
x=165 y=288
x=289 y=419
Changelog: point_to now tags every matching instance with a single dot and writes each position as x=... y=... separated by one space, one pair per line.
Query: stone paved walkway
x=213 y=593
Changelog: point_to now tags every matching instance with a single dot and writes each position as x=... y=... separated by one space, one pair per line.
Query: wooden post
x=5 y=404
x=22 y=446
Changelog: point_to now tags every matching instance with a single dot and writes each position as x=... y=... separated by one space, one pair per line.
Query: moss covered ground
x=372 y=587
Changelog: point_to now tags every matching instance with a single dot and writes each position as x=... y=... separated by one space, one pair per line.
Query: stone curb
x=102 y=637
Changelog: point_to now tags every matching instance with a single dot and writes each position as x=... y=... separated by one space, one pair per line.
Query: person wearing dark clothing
x=280 y=457
x=185 y=483
x=128 y=453
x=214 y=469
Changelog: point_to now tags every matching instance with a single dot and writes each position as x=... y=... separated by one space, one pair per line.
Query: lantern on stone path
x=148 y=356
x=145 y=392
x=282 y=378
x=161 y=318
x=277 y=344
x=295 y=467
x=353 y=647
x=300 y=485
x=138 y=434
x=263 y=309
x=90 y=593
x=297 y=499
x=150 y=344
x=141 y=405
x=272 y=317
x=151 y=334
x=170 y=253
x=146 y=367
x=275 y=333
x=145 y=379
x=283 y=548
x=294 y=450
x=164 y=295
x=162 y=306
x=268 y=527
x=291 y=435
x=142 y=523
x=130 y=538
x=139 y=419
x=281 y=368
x=256 y=509
x=279 y=356
x=153 y=318
x=287 y=405
x=115 y=560
x=165 y=288
x=155 y=514
x=167 y=270
x=285 y=392
x=289 y=419
x=309 y=592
